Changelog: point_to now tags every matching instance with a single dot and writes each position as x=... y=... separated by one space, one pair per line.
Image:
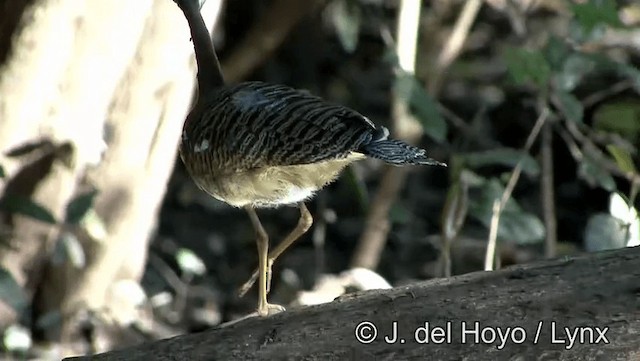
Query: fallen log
x=574 y=308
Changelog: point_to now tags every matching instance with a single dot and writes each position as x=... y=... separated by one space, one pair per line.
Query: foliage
x=619 y=228
x=515 y=223
x=27 y=207
x=79 y=206
x=591 y=87
x=503 y=156
x=555 y=74
x=68 y=247
x=11 y=293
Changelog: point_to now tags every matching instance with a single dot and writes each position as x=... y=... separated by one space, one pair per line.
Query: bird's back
x=256 y=124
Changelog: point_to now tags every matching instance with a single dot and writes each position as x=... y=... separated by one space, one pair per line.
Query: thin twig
x=455 y=42
x=450 y=52
x=589 y=146
x=453 y=217
x=597 y=155
x=527 y=147
x=465 y=128
x=573 y=147
x=179 y=286
x=605 y=93
x=548 y=192
x=489 y=260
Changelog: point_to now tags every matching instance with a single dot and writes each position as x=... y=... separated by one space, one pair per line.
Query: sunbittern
x=255 y=145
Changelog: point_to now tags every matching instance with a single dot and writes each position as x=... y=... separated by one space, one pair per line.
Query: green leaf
x=623 y=158
x=596 y=12
x=515 y=224
x=556 y=53
x=574 y=69
x=503 y=156
x=604 y=232
x=528 y=66
x=79 y=206
x=11 y=292
x=346 y=16
x=630 y=72
x=522 y=227
x=621 y=117
x=570 y=106
x=595 y=175
x=422 y=106
x=568 y=66
x=27 y=207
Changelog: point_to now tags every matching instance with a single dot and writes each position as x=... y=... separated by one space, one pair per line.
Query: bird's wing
x=273 y=125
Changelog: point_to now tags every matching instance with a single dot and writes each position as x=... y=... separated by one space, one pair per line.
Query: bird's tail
x=397 y=152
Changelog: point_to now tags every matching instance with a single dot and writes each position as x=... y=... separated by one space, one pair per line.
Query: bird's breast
x=267 y=186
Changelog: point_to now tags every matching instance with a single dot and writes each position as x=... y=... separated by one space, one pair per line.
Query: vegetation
x=534 y=105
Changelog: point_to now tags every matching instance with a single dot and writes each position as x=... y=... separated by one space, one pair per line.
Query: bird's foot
x=269 y=309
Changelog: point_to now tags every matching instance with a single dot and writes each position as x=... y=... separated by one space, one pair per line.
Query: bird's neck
x=210 y=76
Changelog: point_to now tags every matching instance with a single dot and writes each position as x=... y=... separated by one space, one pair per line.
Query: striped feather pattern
x=255 y=124
x=396 y=152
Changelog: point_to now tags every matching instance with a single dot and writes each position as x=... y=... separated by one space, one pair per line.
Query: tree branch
x=564 y=291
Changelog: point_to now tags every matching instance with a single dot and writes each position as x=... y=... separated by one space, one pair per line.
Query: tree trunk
x=110 y=83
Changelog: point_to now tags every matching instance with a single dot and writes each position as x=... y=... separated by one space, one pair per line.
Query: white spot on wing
x=369 y=121
x=204 y=145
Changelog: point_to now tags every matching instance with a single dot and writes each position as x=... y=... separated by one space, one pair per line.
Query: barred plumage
x=261 y=145
x=254 y=126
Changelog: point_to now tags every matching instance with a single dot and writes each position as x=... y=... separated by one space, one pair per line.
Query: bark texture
x=593 y=294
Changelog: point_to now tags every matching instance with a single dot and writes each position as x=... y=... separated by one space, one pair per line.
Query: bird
x=258 y=145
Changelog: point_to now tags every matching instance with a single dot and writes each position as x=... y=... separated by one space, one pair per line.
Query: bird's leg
x=304 y=223
x=262 y=241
